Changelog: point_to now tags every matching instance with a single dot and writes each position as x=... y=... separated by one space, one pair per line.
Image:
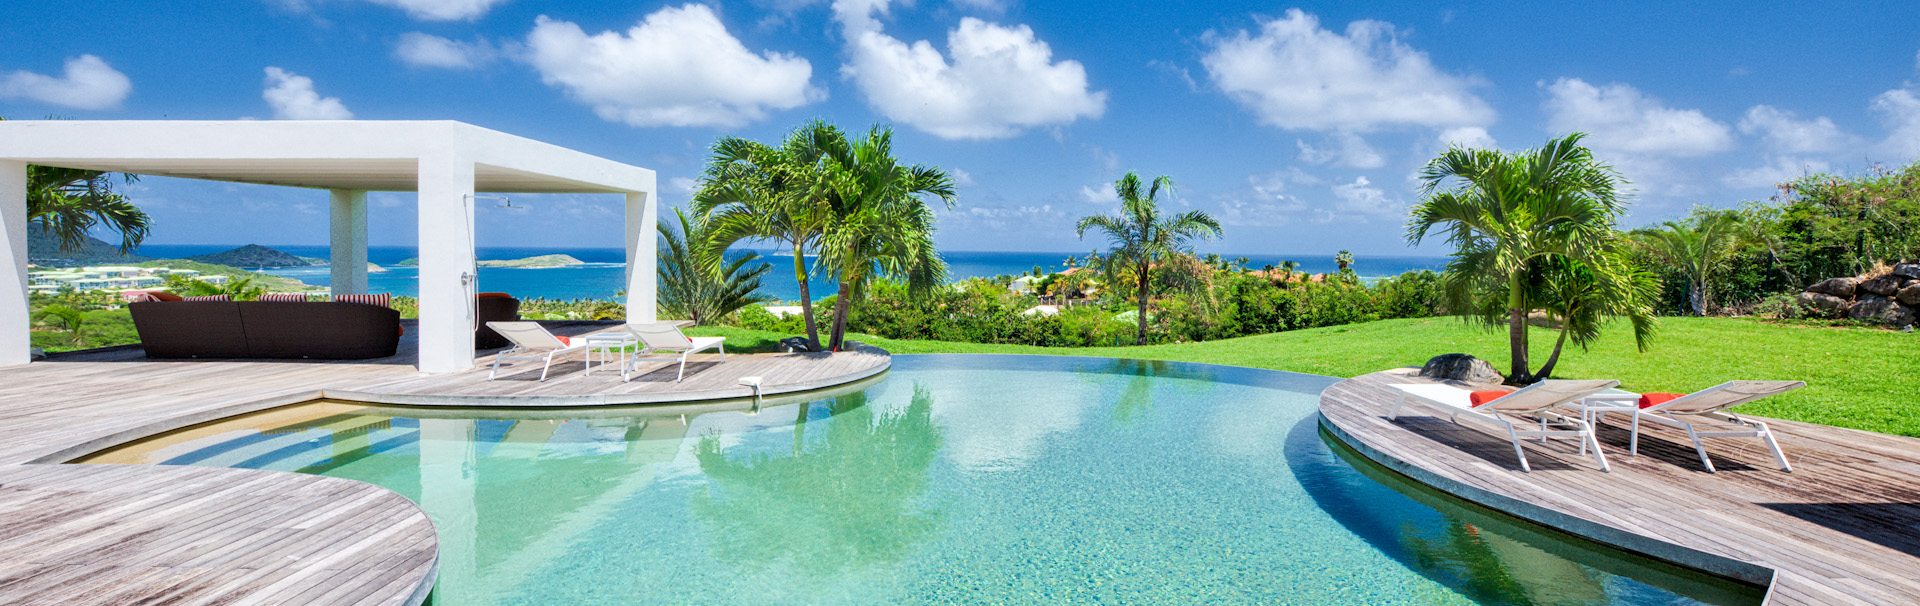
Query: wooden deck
x=1843 y=528
x=74 y=534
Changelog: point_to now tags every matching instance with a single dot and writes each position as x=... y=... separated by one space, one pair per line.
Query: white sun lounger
x=1705 y=409
x=531 y=341
x=666 y=338
x=1526 y=407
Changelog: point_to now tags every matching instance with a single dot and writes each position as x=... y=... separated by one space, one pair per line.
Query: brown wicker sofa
x=266 y=329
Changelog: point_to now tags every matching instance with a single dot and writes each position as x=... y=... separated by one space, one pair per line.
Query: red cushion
x=382 y=299
x=1656 y=399
x=564 y=341
x=403 y=330
x=493 y=295
x=161 y=295
x=1483 y=397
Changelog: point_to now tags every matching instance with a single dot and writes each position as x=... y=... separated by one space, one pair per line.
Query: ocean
x=603 y=275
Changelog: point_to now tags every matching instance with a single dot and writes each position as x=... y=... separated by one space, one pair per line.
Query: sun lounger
x=531 y=341
x=666 y=338
x=1702 y=415
x=1517 y=412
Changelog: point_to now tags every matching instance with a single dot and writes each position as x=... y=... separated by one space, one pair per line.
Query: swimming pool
x=954 y=479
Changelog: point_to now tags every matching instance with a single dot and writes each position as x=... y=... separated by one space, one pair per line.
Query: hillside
x=43 y=248
x=255 y=255
x=273 y=283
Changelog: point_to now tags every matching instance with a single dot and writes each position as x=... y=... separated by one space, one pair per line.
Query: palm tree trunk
x=841 y=304
x=1697 y=297
x=1516 y=333
x=806 y=296
x=1546 y=371
x=1140 y=338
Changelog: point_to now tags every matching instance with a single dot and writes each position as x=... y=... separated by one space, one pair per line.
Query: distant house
x=109 y=277
x=1023 y=285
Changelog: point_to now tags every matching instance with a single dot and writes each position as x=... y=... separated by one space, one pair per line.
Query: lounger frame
x=1525 y=413
x=1709 y=406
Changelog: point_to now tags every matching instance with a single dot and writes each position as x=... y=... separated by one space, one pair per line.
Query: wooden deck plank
x=1843 y=528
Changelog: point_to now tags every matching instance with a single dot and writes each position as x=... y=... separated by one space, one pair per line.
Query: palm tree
x=241 y=289
x=70 y=202
x=67 y=318
x=752 y=191
x=1140 y=236
x=880 y=224
x=1582 y=298
x=1344 y=260
x=1698 y=247
x=703 y=289
x=1288 y=268
x=1512 y=215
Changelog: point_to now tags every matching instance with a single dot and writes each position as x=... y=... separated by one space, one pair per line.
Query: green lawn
x=1856 y=377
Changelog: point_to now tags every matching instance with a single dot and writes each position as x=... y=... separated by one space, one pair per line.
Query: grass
x=1856 y=377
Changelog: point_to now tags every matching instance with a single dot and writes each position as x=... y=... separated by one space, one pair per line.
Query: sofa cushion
x=190 y=329
x=321 y=331
x=382 y=299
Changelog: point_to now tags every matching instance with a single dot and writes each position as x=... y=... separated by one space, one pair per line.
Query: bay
x=604 y=273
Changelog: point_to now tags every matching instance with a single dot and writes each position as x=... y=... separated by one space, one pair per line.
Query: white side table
x=607 y=343
x=1594 y=407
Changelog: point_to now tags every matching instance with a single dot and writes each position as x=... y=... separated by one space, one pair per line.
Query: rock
x=1461 y=367
x=1825 y=306
x=1884 y=286
x=1881 y=310
x=796 y=345
x=1909 y=271
x=1910 y=296
x=1838 y=287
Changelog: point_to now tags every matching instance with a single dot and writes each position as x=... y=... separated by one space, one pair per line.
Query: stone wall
x=1892 y=299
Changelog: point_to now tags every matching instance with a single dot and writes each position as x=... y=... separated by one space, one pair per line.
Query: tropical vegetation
x=1140 y=237
x=70 y=202
x=754 y=191
x=697 y=286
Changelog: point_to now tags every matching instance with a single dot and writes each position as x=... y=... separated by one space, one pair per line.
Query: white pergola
x=445 y=162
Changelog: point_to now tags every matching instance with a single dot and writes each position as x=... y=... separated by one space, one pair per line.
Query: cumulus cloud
x=292 y=97
x=1779 y=169
x=678 y=67
x=87 y=83
x=1098 y=195
x=442 y=10
x=1262 y=202
x=1005 y=218
x=427 y=50
x=1295 y=75
x=1900 y=110
x=1619 y=118
x=994 y=82
x=1785 y=133
x=1345 y=149
x=1361 y=201
x=1467 y=136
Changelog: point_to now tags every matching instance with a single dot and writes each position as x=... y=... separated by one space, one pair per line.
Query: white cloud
x=1785 y=133
x=1360 y=201
x=1467 y=136
x=682 y=185
x=1098 y=195
x=1619 y=118
x=678 y=67
x=293 y=98
x=1263 y=202
x=1004 y=218
x=962 y=178
x=427 y=50
x=1000 y=81
x=87 y=83
x=442 y=10
x=1900 y=110
x=1780 y=169
x=1347 y=149
x=1297 y=76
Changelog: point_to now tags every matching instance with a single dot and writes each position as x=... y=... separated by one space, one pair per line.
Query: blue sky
x=1298 y=125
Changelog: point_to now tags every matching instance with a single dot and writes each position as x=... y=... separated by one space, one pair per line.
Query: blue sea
x=603 y=275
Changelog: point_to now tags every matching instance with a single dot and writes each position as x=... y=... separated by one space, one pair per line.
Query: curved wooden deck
x=1843 y=528
x=112 y=534
x=139 y=534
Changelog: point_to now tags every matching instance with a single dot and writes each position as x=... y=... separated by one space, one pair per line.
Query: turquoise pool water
x=955 y=480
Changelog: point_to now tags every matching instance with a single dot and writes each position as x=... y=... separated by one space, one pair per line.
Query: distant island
x=257 y=256
x=43 y=248
x=539 y=262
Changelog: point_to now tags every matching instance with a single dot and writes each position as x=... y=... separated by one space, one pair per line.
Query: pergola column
x=447 y=271
x=16 y=341
x=642 y=252
x=349 y=242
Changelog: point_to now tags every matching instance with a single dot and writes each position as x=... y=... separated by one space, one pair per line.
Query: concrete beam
x=16 y=340
x=447 y=272
x=348 y=249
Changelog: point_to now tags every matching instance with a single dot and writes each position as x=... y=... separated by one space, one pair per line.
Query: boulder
x=1461 y=367
x=1910 y=271
x=1909 y=296
x=1881 y=310
x=796 y=345
x=1883 y=286
x=1825 y=306
x=1838 y=287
